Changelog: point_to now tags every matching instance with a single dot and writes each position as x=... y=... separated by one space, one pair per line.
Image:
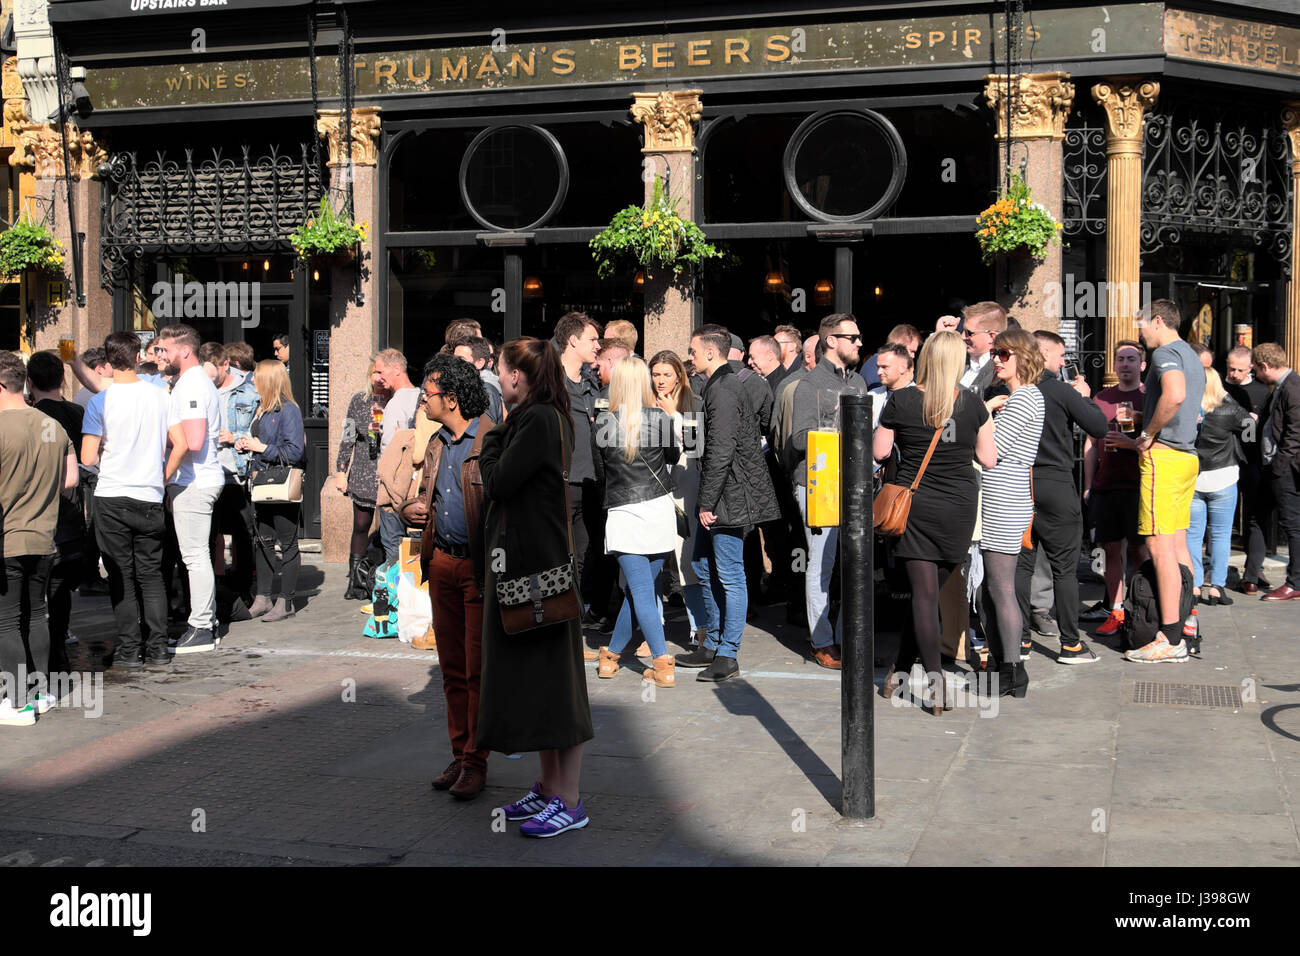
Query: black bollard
x=858 y=642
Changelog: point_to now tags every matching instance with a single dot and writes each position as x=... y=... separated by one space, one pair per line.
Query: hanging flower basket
x=655 y=239
x=1016 y=225
x=26 y=246
x=328 y=238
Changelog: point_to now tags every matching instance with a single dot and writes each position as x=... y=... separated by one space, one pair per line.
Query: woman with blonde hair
x=673 y=394
x=356 y=471
x=635 y=445
x=1215 y=501
x=1006 y=502
x=936 y=415
x=277 y=438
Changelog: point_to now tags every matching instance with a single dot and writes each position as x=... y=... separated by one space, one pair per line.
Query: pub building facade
x=841 y=155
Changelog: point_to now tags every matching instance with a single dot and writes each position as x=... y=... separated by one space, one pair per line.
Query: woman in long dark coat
x=533 y=690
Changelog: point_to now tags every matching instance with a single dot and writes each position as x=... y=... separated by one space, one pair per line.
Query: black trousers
x=24 y=633
x=90 y=548
x=130 y=536
x=1286 y=499
x=65 y=577
x=1058 y=526
x=233 y=515
x=1254 y=490
x=278 y=523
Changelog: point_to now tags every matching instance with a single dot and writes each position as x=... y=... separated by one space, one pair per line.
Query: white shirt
x=878 y=407
x=130 y=420
x=974 y=368
x=195 y=397
x=399 y=413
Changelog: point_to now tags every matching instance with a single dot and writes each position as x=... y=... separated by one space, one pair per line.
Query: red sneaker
x=1113 y=623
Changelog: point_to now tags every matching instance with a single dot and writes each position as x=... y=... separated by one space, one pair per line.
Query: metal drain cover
x=1187 y=695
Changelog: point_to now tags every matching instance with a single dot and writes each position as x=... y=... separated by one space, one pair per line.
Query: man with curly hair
x=452 y=556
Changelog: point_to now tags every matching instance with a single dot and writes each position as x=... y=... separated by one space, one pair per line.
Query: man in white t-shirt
x=193 y=490
x=125 y=433
x=399 y=413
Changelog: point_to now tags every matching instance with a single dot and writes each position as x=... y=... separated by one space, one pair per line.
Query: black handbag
x=683 y=523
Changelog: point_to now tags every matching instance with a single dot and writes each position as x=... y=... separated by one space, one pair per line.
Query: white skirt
x=646 y=527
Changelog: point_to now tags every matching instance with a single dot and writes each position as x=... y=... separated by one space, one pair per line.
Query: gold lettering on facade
x=738 y=47
x=385 y=70
x=564 y=61
x=460 y=71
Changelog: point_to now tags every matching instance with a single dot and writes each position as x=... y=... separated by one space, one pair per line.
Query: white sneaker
x=42 y=703
x=1159 y=651
x=9 y=717
x=70 y=639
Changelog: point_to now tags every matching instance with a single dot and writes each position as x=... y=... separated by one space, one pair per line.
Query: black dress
x=533 y=689
x=942 y=519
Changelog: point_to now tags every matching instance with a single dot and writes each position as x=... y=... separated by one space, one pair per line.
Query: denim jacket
x=241 y=406
x=283 y=434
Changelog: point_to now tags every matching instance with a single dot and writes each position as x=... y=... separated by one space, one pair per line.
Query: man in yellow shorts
x=1167 y=469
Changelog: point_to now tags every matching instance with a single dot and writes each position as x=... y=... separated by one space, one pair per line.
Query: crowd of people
x=159 y=455
x=572 y=484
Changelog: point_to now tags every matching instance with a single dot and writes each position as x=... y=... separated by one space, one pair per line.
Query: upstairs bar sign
x=972 y=40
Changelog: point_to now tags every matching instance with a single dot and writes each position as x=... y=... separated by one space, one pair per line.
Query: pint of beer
x=67 y=349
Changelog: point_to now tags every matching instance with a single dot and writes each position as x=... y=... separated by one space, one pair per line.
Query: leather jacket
x=1219 y=443
x=645 y=477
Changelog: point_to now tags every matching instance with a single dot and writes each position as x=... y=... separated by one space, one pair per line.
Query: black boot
x=1006 y=680
x=353 y=592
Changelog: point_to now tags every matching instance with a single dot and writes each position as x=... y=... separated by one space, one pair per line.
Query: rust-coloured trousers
x=458 y=629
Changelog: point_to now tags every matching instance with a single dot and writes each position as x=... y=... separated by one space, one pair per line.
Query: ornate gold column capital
x=1042 y=104
x=668 y=118
x=1126 y=103
x=1291 y=125
x=365 y=135
x=40 y=148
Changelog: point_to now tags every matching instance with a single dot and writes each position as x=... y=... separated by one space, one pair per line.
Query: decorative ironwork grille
x=1215 y=170
x=1084 y=164
x=250 y=203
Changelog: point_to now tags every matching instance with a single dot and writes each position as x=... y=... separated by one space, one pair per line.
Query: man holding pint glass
x=1110 y=479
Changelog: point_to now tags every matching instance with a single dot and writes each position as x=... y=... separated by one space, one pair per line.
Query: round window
x=845 y=166
x=513 y=178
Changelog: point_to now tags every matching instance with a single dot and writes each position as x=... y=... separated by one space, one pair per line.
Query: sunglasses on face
x=1002 y=354
x=851 y=336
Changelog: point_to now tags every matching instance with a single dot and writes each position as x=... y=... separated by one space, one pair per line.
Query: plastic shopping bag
x=414 y=609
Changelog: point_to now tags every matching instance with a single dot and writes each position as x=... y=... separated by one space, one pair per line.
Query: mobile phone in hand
x=1070 y=371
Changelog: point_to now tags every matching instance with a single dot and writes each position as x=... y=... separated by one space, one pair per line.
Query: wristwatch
x=1143 y=436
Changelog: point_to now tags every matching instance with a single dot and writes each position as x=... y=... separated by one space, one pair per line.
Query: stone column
x=1041 y=102
x=1126 y=102
x=1291 y=340
x=40 y=149
x=668 y=118
x=354 y=305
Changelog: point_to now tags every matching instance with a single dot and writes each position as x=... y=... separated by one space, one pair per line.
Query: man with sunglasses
x=815 y=404
x=983 y=322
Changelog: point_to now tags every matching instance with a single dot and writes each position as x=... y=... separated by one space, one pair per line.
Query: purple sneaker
x=528 y=807
x=555 y=819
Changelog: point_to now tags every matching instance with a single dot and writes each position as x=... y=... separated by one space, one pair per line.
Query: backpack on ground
x=382 y=622
x=1142 y=606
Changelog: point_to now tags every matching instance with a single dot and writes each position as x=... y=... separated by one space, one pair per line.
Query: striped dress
x=1006 y=507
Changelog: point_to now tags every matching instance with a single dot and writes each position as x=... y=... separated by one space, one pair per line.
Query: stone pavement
x=304 y=742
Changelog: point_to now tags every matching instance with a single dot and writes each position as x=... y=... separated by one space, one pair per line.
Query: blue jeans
x=817 y=580
x=641 y=571
x=720 y=560
x=697 y=613
x=1219 y=507
x=390 y=534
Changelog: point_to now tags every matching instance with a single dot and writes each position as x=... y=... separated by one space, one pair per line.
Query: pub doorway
x=272 y=295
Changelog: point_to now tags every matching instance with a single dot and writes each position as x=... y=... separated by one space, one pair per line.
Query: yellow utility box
x=823 y=479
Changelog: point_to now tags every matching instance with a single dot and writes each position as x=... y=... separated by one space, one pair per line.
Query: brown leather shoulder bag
x=894 y=502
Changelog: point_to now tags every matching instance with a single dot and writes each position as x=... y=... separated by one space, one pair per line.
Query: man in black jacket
x=735 y=495
x=1058 y=522
x=1281 y=456
x=1252 y=395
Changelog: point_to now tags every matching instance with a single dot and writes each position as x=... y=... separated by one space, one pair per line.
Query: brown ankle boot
x=662 y=673
x=644 y=650
x=608 y=665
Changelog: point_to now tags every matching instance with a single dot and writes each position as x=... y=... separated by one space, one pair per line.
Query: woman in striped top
x=1007 y=505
